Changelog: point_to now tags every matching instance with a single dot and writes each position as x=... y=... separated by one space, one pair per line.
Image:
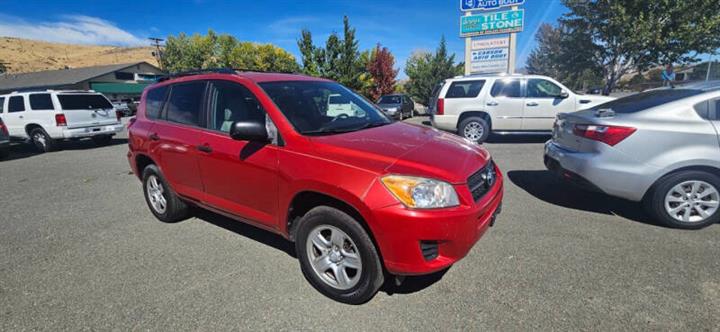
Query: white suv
x=473 y=106
x=46 y=117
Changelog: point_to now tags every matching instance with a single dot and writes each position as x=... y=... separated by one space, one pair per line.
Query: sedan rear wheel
x=688 y=199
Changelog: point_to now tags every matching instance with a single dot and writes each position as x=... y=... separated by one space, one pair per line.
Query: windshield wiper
x=323 y=131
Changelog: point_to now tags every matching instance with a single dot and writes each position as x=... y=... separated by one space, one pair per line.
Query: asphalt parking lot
x=79 y=250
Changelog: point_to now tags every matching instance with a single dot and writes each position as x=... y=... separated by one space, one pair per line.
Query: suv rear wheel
x=42 y=141
x=687 y=199
x=474 y=128
x=337 y=256
x=161 y=199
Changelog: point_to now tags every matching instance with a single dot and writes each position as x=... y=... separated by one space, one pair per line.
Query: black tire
x=371 y=275
x=472 y=121
x=175 y=209
x=655 y=200
x=42 y=141
x=102 y=140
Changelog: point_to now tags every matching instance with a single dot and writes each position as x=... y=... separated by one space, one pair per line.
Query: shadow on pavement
x=27 y=150
x=410 y=285
x=251 y=232
x=547 y=187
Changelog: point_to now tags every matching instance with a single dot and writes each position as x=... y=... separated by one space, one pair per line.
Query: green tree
x=638 y=34
x=310 y=55
x=184 y=53
x=350 y=66
x=425 y=70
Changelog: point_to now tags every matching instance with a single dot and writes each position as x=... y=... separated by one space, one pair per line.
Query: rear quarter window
x=2 y=104
x=41 y=102
x=465 y=89
x=154 y=102
x=16 y=104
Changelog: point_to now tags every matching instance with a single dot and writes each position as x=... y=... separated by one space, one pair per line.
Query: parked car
x=358 y=193
x=4 y=139
x=397 y=106
x=122 y=107
x=474 y=106
x=48 y=117
x=659 y=147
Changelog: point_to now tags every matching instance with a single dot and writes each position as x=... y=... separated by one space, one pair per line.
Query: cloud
x=73 y=29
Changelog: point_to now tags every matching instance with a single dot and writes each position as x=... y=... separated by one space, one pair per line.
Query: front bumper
x=608 y=171
x=454 y=230
x=92 y=131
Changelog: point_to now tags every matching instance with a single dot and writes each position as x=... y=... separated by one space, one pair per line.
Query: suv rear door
x=543 y=101
x=175 y=137
x=239 y=176
x=84 y=110
x=505 y=104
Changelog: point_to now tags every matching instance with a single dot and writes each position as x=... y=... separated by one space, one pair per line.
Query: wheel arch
x=467 y=114
x=142 y=161
x=702 y=168
x=31 y=126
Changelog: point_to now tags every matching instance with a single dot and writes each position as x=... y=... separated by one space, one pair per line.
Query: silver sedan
x=660 y=147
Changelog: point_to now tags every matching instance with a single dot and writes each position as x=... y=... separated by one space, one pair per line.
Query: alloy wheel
x=692 y=201
x=156 y=194
x=473 y=131
x=334 y=257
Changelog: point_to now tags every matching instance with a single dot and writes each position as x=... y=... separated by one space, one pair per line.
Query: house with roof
x=117 y=82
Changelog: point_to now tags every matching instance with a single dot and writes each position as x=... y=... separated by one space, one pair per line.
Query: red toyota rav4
x=361 y=196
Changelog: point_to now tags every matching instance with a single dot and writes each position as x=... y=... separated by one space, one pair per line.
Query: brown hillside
x=25 y=55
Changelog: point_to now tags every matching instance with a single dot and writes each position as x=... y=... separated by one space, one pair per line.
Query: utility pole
x=158 y=52
x=707 y=75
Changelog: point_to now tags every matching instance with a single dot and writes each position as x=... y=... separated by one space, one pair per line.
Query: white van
x=474 y=106
x=46 y=117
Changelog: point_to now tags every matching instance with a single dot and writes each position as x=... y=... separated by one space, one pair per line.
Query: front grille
x=481 y=181
x=429 y=249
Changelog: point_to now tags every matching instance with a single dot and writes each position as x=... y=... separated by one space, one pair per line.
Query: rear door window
x=41 y=102
x=154 y=102
x=16 y=104
x=185 y=103
x=83 y=102
x=465 y=89
x=506 y=88
x=539 y=88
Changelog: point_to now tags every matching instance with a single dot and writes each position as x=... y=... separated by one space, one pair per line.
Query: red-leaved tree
x=382 y=72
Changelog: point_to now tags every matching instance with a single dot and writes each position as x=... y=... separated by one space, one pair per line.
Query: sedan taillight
x=610 y=135
x=3 y=129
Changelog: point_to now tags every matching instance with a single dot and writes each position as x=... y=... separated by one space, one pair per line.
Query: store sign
x=468 y=5
x=493 y=60
x=483 y=44
x=492 y=23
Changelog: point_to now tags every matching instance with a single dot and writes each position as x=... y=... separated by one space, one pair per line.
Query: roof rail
x=223 y=70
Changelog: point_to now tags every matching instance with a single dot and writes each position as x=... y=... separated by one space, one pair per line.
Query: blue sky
x=402 y=26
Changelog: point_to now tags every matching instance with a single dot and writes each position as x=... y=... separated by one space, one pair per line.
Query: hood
x=587 y=101
x=405 y=149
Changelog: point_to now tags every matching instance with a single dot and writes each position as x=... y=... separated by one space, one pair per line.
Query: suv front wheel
x=474 y=128
x=337 y=256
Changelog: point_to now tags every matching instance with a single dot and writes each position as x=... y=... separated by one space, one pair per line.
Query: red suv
x=309 y=159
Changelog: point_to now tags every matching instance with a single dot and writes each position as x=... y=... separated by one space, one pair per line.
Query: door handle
x=492 y=103
x=205 y=148
x=154 y=137
x=22 y=117
x=532 y=103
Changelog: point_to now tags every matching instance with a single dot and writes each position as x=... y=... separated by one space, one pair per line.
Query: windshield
x=389 y=100
x=648 y=99
x=83 y=102
x=322 y=108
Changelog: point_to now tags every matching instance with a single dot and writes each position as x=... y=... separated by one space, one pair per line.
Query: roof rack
x=224 y=70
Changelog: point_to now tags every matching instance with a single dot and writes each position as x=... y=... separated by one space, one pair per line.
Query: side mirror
x=564 y=94
x=249 y=131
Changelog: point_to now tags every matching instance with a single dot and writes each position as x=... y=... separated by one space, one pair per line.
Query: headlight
x=421 y=193
x=391 y=109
